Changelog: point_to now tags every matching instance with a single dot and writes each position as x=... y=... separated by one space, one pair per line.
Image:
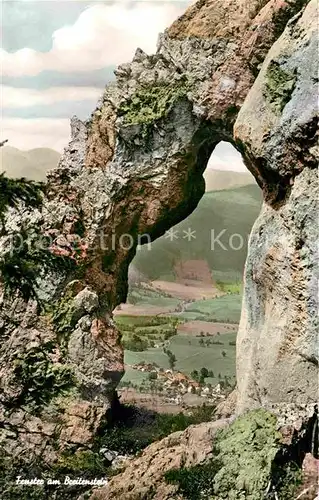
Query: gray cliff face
x=277 y=350
x=136 y=168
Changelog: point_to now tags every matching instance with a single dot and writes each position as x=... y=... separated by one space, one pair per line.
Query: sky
x=57 y=56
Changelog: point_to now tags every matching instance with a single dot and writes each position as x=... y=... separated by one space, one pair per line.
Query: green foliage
x=132 y=322
x=279 y=86
x=27 y=254
x=203 y=374
x=13 y=191
x=152 y=103
x=26 y=258
x=133 y=430
x=10 y=468
x=195 y=375
x=86 y=462
x=135 y=343
x=242 y=465
x=231 y=288
x=195 y=483
x=39 y=377
x=171 y=358
x=139 y=332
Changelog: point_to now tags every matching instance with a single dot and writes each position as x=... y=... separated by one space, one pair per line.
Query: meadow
x=224 y=309
x=192 y=352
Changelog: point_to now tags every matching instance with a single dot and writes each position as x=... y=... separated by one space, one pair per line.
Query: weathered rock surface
x=277 y=347
x=134 y=170
x=144 y=477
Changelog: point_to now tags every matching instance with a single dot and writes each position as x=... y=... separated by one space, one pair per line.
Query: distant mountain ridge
x=32 y=164
x=217 y=180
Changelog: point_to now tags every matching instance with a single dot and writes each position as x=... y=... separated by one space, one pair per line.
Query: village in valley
x=177 y=354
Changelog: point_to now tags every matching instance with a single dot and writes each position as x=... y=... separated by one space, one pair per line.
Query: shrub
x=135 y=343
x=134 y=428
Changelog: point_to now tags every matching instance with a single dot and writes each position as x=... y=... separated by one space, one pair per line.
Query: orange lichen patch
x=107 y=338
x=208 y=19
x=101 y=139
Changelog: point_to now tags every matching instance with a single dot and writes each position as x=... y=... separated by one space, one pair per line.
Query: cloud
x=23 y=97
x=226 y=157
x=103 y=35
x=27 y=134
x=98 y=78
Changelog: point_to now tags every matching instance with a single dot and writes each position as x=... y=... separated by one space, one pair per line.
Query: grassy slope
x=234 y=210
x=222 y=309
x=192 y=356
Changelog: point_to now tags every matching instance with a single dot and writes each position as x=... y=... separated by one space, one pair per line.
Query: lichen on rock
x=279 y=86
x=249 y=457
x=151 y=103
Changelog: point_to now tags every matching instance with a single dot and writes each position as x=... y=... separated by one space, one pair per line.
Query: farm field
x=197 y=327
x=198 y=333
x=181 y=291
x=195 y=345
x=224 y=309
x=191 y=355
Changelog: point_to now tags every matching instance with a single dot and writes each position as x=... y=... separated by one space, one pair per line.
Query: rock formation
x=144 y=477
x=277 y=346
x=226 y=459
x=132 y=171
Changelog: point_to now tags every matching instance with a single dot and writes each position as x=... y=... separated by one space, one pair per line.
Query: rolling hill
x=217 y=180
x=32 y=164
x=231 y=212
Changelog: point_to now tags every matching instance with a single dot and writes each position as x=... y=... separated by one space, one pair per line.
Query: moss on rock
x=63 y=315
x=151 y=103
x=279 y=86
x=40 y=378
x=243 y=464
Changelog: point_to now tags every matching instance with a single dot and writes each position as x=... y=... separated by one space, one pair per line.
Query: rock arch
x=136 y=167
